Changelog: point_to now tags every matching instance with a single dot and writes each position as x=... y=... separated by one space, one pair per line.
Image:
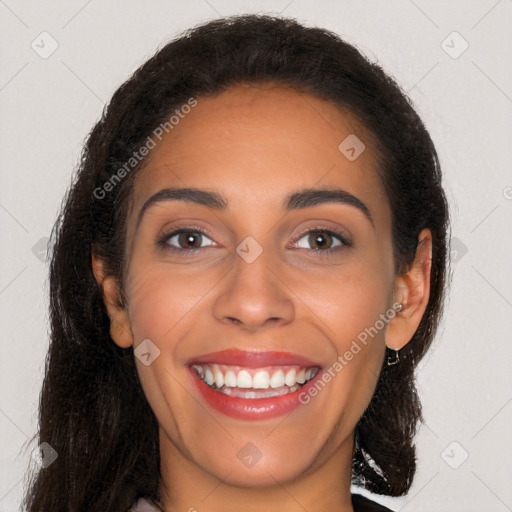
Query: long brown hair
x=92 y=409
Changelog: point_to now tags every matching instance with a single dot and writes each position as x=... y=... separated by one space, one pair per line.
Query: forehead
x=255 y=144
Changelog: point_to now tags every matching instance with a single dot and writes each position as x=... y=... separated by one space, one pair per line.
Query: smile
x=254 y=383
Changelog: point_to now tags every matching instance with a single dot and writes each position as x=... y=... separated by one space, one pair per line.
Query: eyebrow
x=305 y=198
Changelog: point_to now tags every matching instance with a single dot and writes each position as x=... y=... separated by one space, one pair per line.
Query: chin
x=260 y=475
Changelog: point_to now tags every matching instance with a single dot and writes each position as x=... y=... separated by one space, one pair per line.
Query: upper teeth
x=255 y=378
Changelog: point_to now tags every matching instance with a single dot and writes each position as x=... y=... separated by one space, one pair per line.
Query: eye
x=323 y=240
x=186 y=240
x=192 y=239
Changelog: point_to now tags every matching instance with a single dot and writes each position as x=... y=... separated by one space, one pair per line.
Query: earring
x=395 y=360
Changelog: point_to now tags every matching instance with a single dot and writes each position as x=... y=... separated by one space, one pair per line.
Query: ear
x=412 y=290
x=120 y=330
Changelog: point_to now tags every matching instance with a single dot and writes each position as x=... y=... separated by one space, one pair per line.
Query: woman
x=248 y=268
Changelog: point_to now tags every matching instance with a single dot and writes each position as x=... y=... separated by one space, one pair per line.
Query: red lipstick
x=253 y=408
x=236 y=357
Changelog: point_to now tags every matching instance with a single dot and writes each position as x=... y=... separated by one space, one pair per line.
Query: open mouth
x=255 y=383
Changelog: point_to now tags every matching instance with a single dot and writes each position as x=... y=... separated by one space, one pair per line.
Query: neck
x=188 y=487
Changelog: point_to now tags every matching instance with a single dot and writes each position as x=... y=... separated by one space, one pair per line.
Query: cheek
x=161 y=298
x=347 y=299
x=350 y=306
x=162 y=302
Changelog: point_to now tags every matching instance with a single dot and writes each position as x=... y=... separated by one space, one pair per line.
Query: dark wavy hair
x=92 y=408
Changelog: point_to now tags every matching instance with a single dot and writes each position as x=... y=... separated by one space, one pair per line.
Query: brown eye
x=187 y=240
x=322 y=240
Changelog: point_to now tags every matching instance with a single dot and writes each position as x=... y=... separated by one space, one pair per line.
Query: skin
x=255 y=145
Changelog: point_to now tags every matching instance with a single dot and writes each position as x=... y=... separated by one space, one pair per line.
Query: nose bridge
x=253 y=294
x=254 y=276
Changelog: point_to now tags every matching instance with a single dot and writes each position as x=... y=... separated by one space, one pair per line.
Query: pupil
x=319 y=240
x=190 y=240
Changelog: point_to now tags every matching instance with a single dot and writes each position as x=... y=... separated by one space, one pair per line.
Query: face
x=260 y=278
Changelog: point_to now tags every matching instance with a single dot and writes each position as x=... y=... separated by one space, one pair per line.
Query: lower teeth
x=260 y=393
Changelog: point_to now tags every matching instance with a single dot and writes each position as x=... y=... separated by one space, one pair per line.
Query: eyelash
x=163 y=241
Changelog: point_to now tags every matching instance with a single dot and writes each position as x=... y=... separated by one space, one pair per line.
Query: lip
x=236 y=357
x=256 y=408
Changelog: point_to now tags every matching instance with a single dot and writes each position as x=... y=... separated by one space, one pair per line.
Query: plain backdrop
x=453 y=59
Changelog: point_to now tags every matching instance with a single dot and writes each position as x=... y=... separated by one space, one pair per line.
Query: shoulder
x=362 y=504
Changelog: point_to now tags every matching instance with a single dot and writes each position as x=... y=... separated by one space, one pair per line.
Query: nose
x=253 y=296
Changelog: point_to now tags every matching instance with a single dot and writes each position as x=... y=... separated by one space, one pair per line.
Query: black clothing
x=362 y=504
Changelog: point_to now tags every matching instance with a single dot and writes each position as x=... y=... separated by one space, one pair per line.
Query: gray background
x=48 y=105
